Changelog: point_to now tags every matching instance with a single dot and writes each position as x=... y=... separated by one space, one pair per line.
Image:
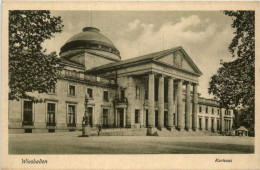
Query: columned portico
x=170 y=103
x=161 y=102
x=180 y=111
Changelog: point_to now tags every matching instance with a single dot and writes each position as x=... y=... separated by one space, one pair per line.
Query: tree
x=30 y=68
x=234 y=83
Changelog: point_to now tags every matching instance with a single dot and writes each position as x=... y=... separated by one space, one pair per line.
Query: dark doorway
x=218 y=128
x=105 y=118
x=200 y=124
x=120 y=118
x=90 y=114
x=146 y=121
x=165 y=119
x=206 y=123
x=156 y=118
x=212 y=125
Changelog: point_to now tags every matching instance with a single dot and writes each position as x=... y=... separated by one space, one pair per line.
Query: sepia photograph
x=131 y=82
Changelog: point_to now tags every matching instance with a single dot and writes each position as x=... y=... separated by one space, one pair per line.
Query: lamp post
x=85 y=121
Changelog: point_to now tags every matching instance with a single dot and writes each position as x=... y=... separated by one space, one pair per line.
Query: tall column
x=151 y=113
x=124 y=124
x=130 y=93
x=215 y=125
x=195 y=108
x=170 y=103
x=187 y=107
x=117 y=118
x=144 y=117
x=141 y=118
x=151 y=130
x=161 y=102
x=180 y=110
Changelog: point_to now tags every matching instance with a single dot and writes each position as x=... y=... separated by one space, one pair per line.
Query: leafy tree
x=234 y=83
x=30 y=68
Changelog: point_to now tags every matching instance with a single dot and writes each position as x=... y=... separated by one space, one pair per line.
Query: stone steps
x=163 y=133
x=187 y=133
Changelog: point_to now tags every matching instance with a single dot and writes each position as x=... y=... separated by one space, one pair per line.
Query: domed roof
x=90 y=38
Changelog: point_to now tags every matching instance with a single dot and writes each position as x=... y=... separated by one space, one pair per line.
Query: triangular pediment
x=179 y=58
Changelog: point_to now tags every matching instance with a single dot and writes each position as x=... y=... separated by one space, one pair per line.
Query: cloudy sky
x=205 y=36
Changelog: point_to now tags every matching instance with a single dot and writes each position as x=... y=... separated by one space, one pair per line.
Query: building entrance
x=200 y=124
x=146 y=116
x=165 y=119
x=156 y=118
x=120 y=117
x=90 y=116
x=212 y=125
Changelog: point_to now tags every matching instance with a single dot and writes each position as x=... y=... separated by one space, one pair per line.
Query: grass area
x=71 y=143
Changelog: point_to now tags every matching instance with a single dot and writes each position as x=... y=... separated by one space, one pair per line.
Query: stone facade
x=156 y=91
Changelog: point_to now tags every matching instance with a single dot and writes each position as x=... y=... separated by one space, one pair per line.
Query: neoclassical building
x=155 y=91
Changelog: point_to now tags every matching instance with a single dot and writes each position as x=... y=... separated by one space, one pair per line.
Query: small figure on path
x=99 y=129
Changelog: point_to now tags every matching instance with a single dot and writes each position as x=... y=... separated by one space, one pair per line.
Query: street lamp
x=85 y=120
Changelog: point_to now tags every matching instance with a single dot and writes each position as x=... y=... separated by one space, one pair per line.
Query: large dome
x=90 y=38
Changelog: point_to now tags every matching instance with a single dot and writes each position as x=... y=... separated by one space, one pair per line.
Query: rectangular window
x=225 y=112
x=90 y=92
x=137 y=91
x=72 y=90
x=51 y=89
x=71 y=115
x=229 y=112
x=27 y=113
x=122 y=94
x=105 y=96
x=105 y=117
x=200 y=109
x=218 y=112
x=146 y=92
x=50 y=114
x=137 y=114
x=206 y=109
x=212 y=110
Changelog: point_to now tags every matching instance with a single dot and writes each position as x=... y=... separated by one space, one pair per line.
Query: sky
x=204 y=35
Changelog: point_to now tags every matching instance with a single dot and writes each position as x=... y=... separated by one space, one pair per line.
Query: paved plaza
x=71 y=143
